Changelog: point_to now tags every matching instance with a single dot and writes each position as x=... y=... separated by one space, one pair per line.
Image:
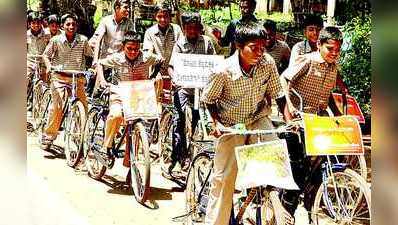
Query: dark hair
x=249 y=31
x=164 y=6
x=53 y=19
x=190 y=17
x=251 y=2
x=270 y=25
x=131 y=36
x=330 y=33
x=68 y=15
x=34 y=16
x=119 y=3
x=312 y=19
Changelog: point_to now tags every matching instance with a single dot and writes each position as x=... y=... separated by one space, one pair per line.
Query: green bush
x=355 y=60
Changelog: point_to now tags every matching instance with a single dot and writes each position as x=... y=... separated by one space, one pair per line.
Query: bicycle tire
x=165 y=140
x=361 y=201
x=357 y=163
x=42 y=117
x=74 y=138
x=140 y=165
x=93 y=136
x=188 y=125
x=197 y=188
x=38 y=91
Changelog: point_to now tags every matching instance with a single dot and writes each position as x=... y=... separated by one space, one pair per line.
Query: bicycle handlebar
x=283 y=129
x=34 y=56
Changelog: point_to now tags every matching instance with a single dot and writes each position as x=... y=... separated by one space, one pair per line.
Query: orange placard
x=353 y=108
x=332 y=135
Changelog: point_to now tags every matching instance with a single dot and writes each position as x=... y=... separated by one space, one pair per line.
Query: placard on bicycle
x=193 y=70
x=263 y=164
x=332 y=135
x=138 y=99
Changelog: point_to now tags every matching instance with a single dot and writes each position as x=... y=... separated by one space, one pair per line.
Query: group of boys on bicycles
x=240 y=91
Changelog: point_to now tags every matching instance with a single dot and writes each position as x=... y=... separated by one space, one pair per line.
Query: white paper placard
x=264 y=164
x=138 y=99
x=193 y=70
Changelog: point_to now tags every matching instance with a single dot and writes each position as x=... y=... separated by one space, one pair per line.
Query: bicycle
x=38 y=92
x=329 y=206
x=73 y=116
x=135 y=138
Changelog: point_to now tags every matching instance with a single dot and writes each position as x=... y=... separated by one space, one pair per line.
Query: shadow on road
x=56 y=151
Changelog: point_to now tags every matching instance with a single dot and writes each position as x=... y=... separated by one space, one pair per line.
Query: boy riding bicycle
x=191 y=43
x=313 y=77
x=237 y=94
x=129 y=65
x=67 y=50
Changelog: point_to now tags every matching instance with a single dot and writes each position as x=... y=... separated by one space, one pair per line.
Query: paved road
x=61 y=195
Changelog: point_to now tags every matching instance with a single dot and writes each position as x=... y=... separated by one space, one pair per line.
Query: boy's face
x=70 y=26
x=330 y=50
x=122 y=11
x=53 y=28
x=35 y=26
x=311 y=32
x=192 y=31
x=163 y=18
x=252 y=51
x=131 y=49
x=246 y=8
x=270 y=38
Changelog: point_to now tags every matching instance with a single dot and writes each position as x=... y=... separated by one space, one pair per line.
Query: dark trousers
x=306 y=178
x=181 y=100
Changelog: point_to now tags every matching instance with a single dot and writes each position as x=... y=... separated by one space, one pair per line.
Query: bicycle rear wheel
x=93 y=139
x=75 y=130
x=43 y=110
x=140 y=164
x=38 y=91
x=197 y=188
x=345 y=201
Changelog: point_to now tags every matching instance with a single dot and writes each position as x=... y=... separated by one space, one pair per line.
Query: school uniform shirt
x=314 y=79
x=129 y=70
x=279 y=51
x=36 y=44
x=112 y=33
x=300 y=48
x=240 y=97
x=157 y=42
x=69 y=56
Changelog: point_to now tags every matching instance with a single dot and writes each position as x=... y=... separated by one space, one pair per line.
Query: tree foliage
x=356 y=60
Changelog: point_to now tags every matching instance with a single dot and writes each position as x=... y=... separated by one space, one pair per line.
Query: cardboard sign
x=264 y=164
x=138 y=99
x=332 y=135
x=352 y=106
x=193 y=70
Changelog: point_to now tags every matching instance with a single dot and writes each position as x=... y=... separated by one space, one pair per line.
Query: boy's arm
x=333 y=106
x=48 y=54
x=340 y=84
x=211 y=94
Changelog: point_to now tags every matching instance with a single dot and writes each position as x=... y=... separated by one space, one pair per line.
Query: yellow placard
x=138 y=99
x=332 y=135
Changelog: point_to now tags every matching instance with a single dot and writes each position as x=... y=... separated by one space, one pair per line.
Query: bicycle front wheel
x=43 y=110
x=197 y=188
x=93 y=139
x=347 y=200
x=140 y=164
x=165 y=140
x=75 y=127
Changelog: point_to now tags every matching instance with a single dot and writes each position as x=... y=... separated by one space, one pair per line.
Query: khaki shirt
x=239 y=98
x=279 y=51
x=36 y=45
x=69 y=56
x=155 y=42
x=314 y=79
x=126 y=70
x=111 y=33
